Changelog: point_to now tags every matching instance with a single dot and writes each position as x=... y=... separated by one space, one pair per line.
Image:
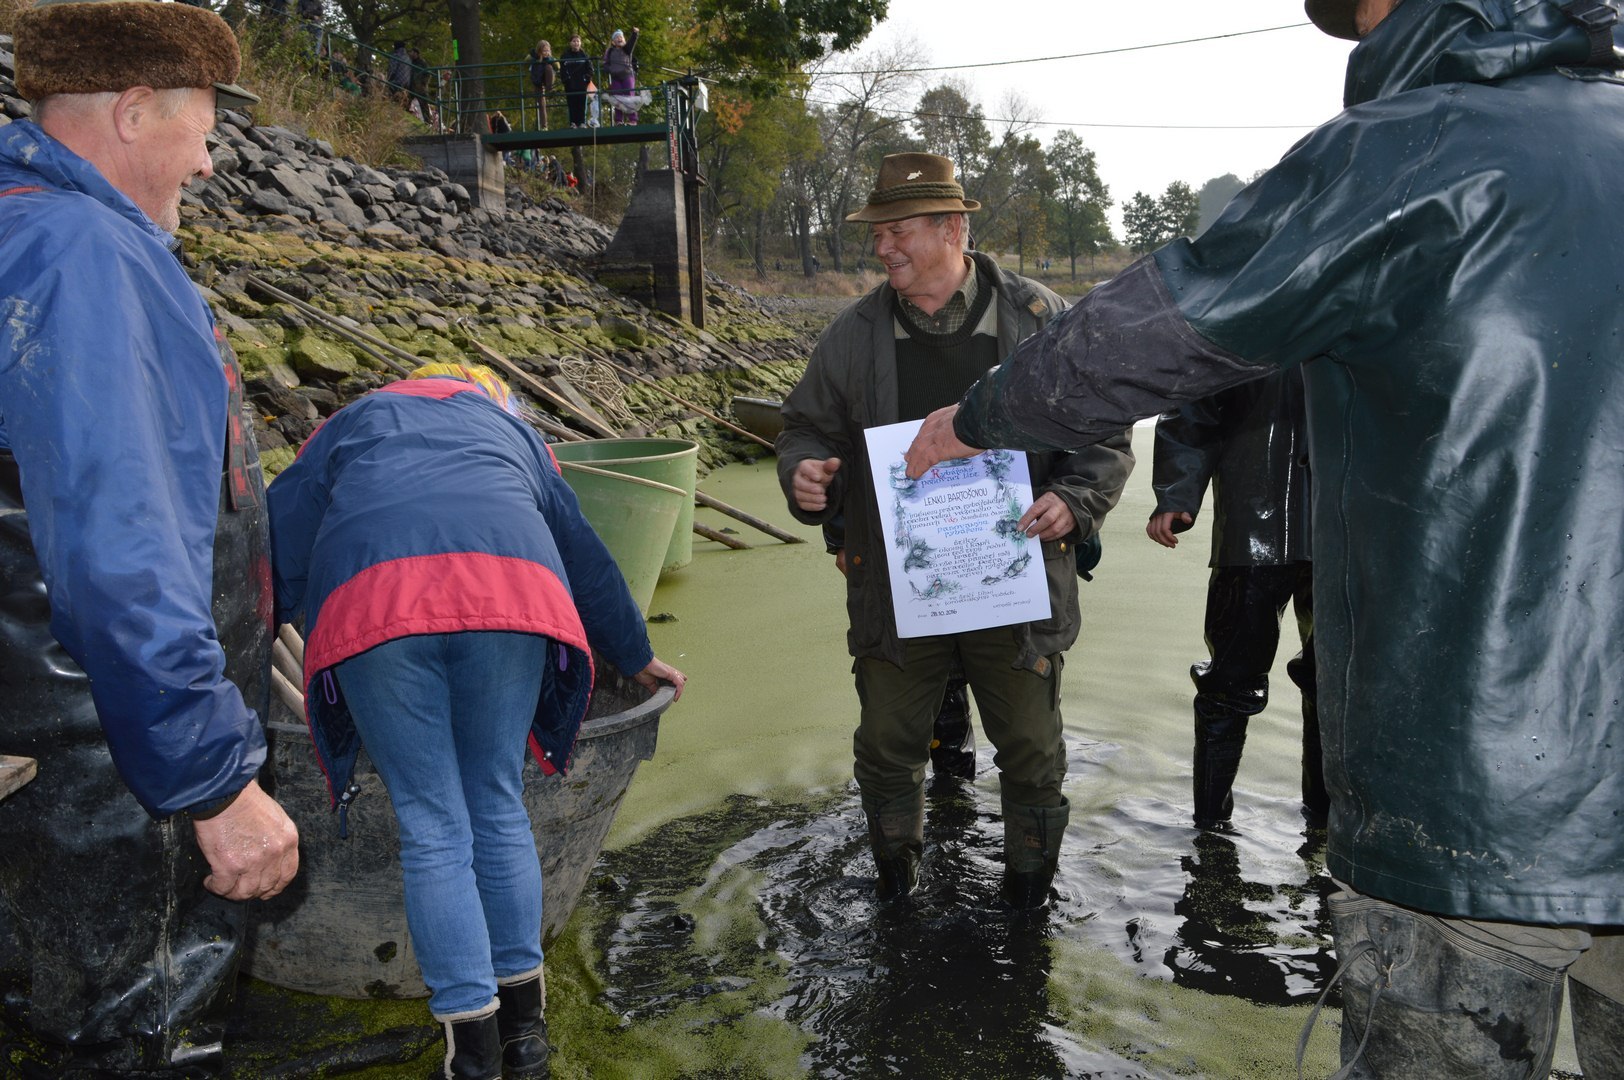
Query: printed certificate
x=958 y=561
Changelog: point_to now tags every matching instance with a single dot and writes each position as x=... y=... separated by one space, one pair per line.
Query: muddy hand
x=252 y=847
x=810 y=484
x=659 y=671
x=936 y=442
x=1048 y=518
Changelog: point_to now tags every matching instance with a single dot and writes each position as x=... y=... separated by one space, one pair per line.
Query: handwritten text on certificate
x=958 y=561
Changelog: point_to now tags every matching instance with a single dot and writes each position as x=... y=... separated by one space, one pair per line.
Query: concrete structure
x=468 y=161
x=648 y=260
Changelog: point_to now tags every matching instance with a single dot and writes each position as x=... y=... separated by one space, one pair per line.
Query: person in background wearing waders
x=452 y=595
x=1250 y=443
x=575 y=72
x=1438 y=258
x=914 y=343
x=136 y=636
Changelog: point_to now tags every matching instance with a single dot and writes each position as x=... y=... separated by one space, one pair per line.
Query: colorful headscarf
x=489 y=382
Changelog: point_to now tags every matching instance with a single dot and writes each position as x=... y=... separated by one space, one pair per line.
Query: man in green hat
x=135 y=558
x=911 y=345
x=1439 y=260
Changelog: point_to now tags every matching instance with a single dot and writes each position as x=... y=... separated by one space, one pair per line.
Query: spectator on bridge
x=400 y=73
x=418 y=78
x=620 y=64
x=543 y=75
x=575 y=71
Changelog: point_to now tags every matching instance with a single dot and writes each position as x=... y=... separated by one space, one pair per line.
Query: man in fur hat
x=134 y=551
x=910 y=346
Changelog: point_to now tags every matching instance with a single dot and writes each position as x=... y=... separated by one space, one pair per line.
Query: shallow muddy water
x=733 y=933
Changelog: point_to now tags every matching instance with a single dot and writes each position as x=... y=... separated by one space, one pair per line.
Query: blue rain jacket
x=113 y=401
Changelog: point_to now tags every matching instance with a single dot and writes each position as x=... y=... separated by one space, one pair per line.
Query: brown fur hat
x=111 y=45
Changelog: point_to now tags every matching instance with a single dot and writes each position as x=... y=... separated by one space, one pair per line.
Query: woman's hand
x=659 y=671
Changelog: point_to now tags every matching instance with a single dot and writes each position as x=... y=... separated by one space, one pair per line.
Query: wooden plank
x=15 y=772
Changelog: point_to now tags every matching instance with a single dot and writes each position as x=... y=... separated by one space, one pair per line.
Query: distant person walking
x=543 y=76
x=620 y=64
x=575 y=71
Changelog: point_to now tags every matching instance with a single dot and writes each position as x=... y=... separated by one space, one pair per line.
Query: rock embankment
x=402 y=256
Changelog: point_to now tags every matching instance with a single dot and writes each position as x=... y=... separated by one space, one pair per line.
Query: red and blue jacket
x=424 y=508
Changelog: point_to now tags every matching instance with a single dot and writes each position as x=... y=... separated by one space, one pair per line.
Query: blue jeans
x=445 y=719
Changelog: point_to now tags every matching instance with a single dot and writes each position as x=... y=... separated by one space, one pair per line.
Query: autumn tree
x=748 y=146
x=948 y=123
x=1077 y=214
x=1142 y=223
x=1180 y=210
x=866 y=120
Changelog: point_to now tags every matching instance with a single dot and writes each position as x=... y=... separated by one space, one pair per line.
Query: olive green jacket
x=851 y=384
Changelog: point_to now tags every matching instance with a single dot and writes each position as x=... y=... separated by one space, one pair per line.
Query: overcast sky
x=1284 y=83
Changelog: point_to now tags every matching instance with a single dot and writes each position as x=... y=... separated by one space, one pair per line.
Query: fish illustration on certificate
x=958 y=559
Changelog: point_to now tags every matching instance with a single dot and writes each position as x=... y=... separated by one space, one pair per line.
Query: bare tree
x=865 y=112
x=999 y=187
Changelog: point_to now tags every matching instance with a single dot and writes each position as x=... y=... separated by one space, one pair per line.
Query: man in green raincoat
x=1443 y=259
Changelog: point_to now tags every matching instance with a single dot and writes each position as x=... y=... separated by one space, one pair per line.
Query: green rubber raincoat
x=1446 y=258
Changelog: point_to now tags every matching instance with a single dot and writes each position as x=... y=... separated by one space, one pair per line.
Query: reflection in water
x=1241 y=937
x=774 y=902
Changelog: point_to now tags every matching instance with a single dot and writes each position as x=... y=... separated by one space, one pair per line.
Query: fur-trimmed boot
x=473 y=1048
x=1032 y=837
x=896 y=831
x=521 y=1022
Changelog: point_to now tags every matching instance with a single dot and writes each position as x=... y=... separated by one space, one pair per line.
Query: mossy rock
x=312 y=356
x=274 y=461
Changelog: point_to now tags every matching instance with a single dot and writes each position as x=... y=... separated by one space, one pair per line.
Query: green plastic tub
x=633 y=516
x=668 y=461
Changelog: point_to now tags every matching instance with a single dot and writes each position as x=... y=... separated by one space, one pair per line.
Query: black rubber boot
x=953 y=739
x=1032 y=838
x=1221 y=716
x=1421 y=999
x=473 y=1046
x=1316 y=800
x=896 y=830
x=521 y=1023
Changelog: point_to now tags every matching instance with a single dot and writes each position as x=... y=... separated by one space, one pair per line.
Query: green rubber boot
x=1032 y=837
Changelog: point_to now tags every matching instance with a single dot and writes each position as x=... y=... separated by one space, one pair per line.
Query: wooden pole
x=749 y=519
x=294 y=644
x=685 y=403
x=359 y=337
x=657 y=388
x=290 y=695
x=536 y=386
x=720 y=537
x=15 y=772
